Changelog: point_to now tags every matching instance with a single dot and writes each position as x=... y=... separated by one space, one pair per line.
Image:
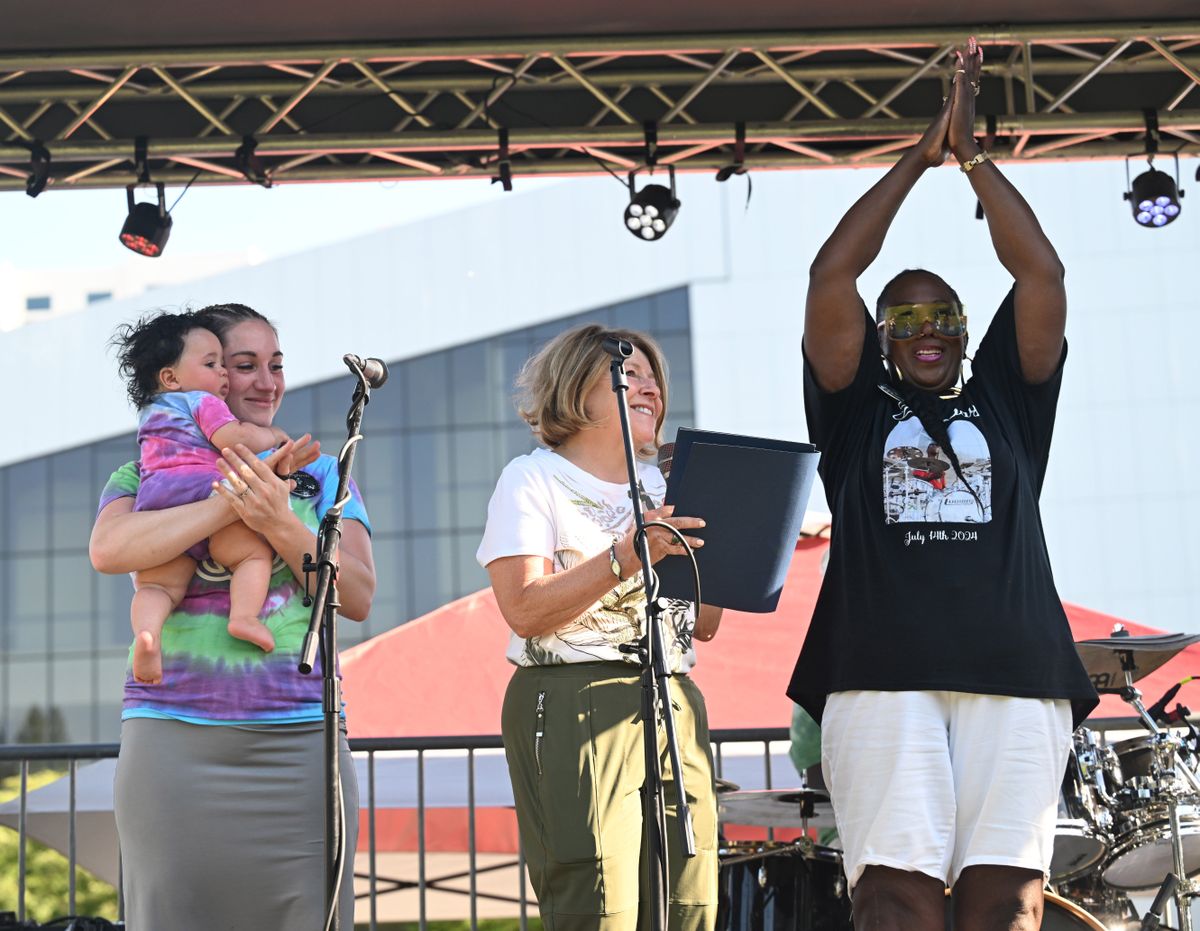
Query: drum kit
x=1128 y=826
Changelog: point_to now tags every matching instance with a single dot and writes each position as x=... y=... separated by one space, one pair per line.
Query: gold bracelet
x=977 y=160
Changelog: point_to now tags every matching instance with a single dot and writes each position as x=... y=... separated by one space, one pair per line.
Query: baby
x=175 y=377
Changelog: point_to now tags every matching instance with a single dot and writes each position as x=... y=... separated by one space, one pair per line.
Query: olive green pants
x=573 y=738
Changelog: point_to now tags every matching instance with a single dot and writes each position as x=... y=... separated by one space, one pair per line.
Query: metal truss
x=583 y=105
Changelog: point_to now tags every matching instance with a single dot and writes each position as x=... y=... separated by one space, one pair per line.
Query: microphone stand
x=322 y=630
x=656 y=696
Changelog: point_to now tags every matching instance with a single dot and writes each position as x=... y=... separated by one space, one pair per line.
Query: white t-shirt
x=546 y=506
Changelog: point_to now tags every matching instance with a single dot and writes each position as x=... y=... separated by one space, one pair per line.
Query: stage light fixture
x=1154 y=195
x=651 y=210
x=148 y=226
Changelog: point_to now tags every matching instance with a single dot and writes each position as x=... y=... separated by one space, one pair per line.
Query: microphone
x=374 y=372
x=666 y=453
x=617 y=348
x=1158 y=710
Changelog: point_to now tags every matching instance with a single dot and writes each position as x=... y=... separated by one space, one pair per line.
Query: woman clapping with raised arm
x=939 y=660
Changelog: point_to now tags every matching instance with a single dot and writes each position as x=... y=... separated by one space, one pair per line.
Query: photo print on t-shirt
x=919 y=483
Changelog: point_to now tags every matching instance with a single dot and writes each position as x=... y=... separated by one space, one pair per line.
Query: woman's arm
x=536 y=600
x=833 y=319
x=124 y=540
x=707 y=622
x=1021 y=246
x=260 y=499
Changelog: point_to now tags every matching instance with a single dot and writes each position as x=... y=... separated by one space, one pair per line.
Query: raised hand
x=934 y=146
x=961 y=134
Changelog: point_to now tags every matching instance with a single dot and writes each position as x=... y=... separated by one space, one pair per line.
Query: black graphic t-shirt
x=932 y=585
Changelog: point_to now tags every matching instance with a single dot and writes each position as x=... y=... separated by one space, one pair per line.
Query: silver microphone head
x=374 y=372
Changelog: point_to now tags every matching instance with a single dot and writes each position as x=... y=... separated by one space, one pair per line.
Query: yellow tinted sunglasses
x=905 y=321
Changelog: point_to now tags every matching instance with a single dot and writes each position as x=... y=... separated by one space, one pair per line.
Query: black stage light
x=651 y=210
x=148 y=226
x=1154 y=196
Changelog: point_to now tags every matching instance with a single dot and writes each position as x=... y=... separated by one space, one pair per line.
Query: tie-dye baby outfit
x=179 y=461
x=210 y=677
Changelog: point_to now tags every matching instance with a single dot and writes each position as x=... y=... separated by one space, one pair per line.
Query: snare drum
x=1081 y=835
x=1142 y=855
x=773 y=886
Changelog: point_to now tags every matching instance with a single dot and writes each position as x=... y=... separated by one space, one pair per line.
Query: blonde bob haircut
x=554 y=381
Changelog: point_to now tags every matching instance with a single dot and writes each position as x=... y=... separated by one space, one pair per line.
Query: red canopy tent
x=457 y=684
x=445 y=674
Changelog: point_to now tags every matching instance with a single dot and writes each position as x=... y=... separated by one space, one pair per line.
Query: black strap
x=650 y=129
x=1151 y=118
x=250 y=164
x=141 y=165
x=505 y=163
x=39 y=167
x=738 y=165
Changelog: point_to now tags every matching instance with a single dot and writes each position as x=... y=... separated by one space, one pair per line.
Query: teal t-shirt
x=210 y=677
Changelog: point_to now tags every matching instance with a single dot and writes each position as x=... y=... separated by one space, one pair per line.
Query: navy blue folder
x=752 y=493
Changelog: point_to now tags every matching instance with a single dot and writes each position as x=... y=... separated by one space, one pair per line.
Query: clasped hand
x=953 y=129
x=258 y=489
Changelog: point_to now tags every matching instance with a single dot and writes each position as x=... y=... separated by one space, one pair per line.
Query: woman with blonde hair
x=559 y=548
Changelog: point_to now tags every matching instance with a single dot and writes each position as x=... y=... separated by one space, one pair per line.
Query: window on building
x=94 y=297
x=38 y=302
x=438 y=435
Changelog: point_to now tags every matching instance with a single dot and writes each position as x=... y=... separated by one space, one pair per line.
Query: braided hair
x=221 y=318
x=924 y=403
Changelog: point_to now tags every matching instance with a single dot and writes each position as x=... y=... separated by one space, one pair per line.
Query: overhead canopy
x=359 y=91
x=82 y=24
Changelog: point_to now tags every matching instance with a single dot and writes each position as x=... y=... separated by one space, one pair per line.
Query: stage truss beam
x=584 y=105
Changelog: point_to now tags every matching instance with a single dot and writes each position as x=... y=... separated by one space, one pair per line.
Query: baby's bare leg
x=248 y=558
x=157 y=592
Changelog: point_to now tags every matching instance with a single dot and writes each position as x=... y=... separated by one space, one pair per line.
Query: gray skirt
x=222 y=827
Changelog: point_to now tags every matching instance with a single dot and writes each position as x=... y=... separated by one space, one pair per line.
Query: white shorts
x=934 y=782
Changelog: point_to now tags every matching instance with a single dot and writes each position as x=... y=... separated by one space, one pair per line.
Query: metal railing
x=739 y=742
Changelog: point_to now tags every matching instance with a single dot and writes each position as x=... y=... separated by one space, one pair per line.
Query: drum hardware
x=1160 y=782
x=774 y=808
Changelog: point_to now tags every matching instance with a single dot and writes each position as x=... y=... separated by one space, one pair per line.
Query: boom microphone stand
x=656 y=696
x=322 y=629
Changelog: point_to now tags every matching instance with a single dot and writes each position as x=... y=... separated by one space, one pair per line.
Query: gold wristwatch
x=614 y=563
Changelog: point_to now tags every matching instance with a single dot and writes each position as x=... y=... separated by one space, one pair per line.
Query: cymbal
x=776 y=808
x=724 y=785
x=1102 y=658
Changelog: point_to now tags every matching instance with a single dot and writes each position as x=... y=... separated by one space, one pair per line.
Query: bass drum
x=1058 y=915
x=773 y=886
